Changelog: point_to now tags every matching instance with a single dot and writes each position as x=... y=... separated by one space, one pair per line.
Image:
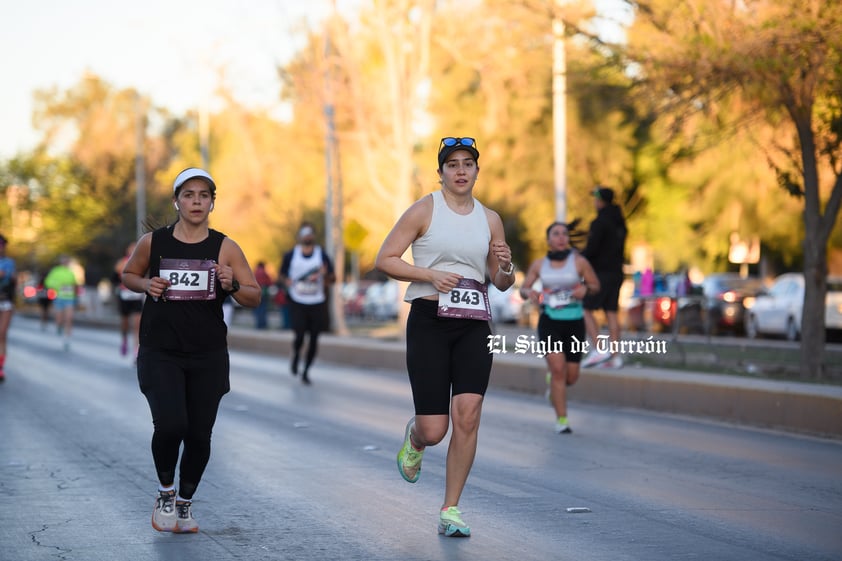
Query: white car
x=381 y=300
x=833 y=304
x=505 y=305
x=778 y=311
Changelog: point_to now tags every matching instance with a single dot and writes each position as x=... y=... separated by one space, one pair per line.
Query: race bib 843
x=468 y=300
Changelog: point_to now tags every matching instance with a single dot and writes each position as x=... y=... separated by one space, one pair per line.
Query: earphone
x=176 y=206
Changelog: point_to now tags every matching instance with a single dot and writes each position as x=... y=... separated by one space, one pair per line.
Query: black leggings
x=183 y=391
x=307 y=318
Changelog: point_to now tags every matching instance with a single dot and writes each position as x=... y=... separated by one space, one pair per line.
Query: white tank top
x=456 y=243
x=302 y=289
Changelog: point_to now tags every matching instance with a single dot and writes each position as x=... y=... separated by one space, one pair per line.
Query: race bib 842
x=190 y=279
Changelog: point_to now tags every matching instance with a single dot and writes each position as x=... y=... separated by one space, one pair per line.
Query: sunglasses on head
x=449 y=141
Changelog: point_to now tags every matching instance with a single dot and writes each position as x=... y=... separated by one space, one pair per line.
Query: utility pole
x=333 y=198
x=560 y=117
x=204 y=133
x=139 y=165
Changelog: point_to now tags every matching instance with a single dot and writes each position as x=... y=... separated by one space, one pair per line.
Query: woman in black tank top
x=186 y=271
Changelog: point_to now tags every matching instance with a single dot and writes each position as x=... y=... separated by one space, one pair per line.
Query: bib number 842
x=183 y=279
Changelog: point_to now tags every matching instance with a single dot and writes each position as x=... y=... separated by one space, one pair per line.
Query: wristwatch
x=510 y=270
x=235 y=286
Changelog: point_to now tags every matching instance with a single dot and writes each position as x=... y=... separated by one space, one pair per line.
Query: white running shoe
x=185 y=523
x=563 y=428
x=616 y=362
x=164 y=517
x=593 y=358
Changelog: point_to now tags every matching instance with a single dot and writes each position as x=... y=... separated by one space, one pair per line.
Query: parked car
x=353 y=296
x=779 y=311
x=381 y=300
x=31 y=289
x=506 y=306
x=688 y=309
x=631 y=308
x=678 y=306
x=833 y=304
x=724 y=296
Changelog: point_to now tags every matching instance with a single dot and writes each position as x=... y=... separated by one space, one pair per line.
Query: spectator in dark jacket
x=605 y=250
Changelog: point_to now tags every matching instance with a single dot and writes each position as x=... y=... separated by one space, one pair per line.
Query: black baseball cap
x=605 y=194
x=450 y=144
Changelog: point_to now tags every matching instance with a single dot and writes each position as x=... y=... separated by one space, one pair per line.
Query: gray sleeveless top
x=560 y=280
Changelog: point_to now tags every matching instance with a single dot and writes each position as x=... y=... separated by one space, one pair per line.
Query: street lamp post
x=139 y=165
x=334 y=244
x=559 y=119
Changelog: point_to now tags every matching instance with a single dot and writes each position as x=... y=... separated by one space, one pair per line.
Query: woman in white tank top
x=456 y=244
x=566 y=277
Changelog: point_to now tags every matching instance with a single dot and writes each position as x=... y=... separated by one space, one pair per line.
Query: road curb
x=798 y=407
x=814 y=409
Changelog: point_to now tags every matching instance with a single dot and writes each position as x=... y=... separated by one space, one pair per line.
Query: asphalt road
x=308 y=473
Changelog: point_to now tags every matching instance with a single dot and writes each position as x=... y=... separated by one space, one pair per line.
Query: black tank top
x=183 y=326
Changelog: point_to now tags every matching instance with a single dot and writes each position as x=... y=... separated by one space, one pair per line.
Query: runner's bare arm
x=408 y=228
x=500 y=266
x=136 y=268
x=233 y=265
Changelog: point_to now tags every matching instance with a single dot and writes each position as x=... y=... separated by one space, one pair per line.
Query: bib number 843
x=469 y=297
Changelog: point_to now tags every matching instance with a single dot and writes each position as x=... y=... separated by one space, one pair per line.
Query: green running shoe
x=451 y=523
x=409 y=459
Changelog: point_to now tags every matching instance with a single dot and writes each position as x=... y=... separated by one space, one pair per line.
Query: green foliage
x=59 y=208
x=790 y=183
x=78 y=191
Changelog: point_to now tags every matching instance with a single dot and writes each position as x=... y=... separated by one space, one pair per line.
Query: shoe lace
x=413 y=456
x=184 y=510
x=166 y=502
x=452 y=515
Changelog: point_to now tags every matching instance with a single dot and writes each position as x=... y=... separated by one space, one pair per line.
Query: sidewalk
x=792 y=406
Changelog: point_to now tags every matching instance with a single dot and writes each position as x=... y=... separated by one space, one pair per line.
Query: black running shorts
x=129 y=307
x=564 y=331
x=608 y=296
x=444 y=356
